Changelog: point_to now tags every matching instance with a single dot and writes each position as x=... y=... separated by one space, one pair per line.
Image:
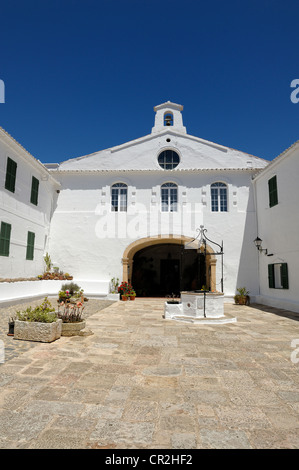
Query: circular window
x=168 y=159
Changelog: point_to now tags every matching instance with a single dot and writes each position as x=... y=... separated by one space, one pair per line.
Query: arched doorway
x=162 y=266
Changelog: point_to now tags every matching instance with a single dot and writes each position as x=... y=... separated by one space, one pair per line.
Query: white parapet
x=12 y=292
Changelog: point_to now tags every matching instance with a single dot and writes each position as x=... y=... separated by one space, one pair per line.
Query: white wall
x=278 y=227
x=16 y=209
x=88 y=240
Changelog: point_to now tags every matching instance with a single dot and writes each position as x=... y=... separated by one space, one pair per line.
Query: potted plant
x=124 y=290
x=172 y=301
x=132 y=294
x=48 y=261
x=114 y=285
x=242 y=297
x=72 y=287
x=71 y=316
x=64 y=296
x=38 y=324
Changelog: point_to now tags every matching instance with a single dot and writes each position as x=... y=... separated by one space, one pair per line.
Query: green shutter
x=284 y=276
x=271 y=275
x=11 y=171
x=5 y=239
x=30 y=245
x=34 y=191
x=273 y=195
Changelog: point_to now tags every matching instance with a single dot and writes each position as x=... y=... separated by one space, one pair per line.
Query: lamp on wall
x=258 y=244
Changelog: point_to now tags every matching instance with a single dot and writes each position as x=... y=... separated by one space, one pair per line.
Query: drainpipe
x=257 y=231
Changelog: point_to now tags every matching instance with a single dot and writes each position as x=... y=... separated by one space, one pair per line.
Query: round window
x=168 y=159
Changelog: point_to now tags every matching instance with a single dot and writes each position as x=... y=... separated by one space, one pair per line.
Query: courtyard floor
x=143 y=382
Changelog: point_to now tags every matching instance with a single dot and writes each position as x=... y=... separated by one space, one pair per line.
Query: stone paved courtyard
x=143 y=382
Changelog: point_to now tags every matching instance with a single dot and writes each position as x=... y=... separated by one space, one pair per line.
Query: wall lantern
x=258 y=244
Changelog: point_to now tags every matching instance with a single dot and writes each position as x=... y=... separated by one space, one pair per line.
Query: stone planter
x=36 y=331
x=72 y=329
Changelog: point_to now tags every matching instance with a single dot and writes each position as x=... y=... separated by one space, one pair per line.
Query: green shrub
x=43 y=313
x=72 y=287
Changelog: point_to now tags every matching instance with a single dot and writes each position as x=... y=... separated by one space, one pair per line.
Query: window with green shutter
x=34 y=191
x=278 y=276
x=273 y=195
x=5 y=239
x=11 y=172
x=284 y=276
x=271 y=275
x=30 y=245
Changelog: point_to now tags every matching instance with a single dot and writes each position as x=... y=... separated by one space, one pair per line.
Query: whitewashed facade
x=132 y=212
x=277 y=196
x=27 y=201
x=94 y=242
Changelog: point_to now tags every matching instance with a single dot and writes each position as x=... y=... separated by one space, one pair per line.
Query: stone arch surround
x=134 y=247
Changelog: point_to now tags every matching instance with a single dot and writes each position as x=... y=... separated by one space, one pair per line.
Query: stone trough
x=198 y=307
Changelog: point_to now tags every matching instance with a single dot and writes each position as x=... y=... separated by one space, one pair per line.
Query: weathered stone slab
x=72 y=329
x=36 y=331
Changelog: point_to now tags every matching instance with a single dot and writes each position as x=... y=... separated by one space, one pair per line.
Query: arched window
x=169 y=197
x=168 y=119
x=219 y=197
x=119 y=193
x=168 y=159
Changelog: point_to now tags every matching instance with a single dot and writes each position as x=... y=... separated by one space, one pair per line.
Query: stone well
x=198 y=307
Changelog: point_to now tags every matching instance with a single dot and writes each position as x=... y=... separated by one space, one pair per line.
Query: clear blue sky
x=82 y=76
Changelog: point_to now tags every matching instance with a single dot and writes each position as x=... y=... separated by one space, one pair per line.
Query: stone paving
x=15 y=348
x=143 y=382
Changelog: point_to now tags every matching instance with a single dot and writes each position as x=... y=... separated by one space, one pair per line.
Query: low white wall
x=13 y=292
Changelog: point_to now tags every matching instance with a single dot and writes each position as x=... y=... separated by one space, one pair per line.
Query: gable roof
x=19 y=150
x=141 y=155
x=283 y=155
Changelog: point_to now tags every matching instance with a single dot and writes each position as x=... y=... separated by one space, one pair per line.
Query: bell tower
x=169 y=116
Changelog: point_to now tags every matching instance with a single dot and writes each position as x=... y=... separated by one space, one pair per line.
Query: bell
x=168 y=120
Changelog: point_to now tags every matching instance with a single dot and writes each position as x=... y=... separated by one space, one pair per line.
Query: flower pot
x=124 y=297
x=242 y=299
x=132 y=297
x=37 y=331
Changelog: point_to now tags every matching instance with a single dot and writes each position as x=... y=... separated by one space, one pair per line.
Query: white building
x=277 y=196
x=128 y=211
x=27 y=201
x=132 y=212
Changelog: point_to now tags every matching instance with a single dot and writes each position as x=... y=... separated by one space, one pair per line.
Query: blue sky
x=82 y=76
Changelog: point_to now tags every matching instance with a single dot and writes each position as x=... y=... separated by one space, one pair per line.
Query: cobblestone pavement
x=15 y=348
x=143 y=382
